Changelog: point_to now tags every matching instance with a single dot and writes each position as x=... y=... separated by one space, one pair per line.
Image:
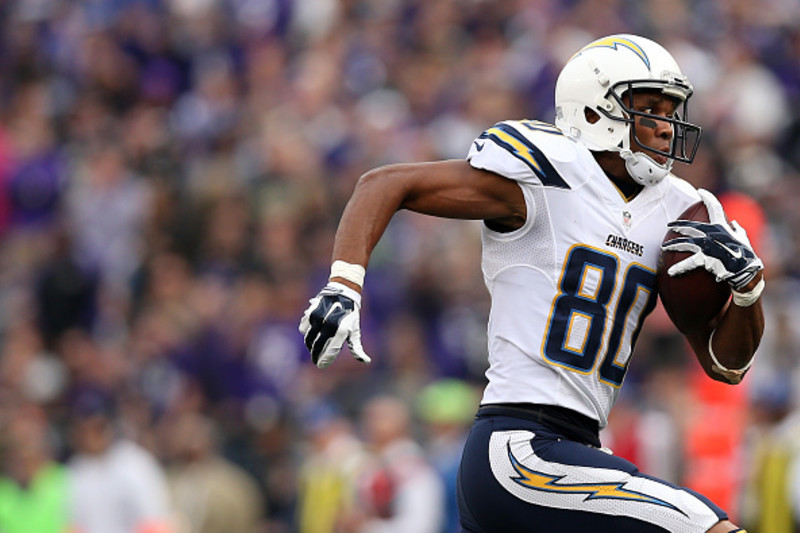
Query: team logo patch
x=626 y=218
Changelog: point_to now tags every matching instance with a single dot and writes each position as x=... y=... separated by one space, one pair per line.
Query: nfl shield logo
x=626 y=218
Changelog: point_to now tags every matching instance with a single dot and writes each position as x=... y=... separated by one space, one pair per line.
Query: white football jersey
x=571 y=288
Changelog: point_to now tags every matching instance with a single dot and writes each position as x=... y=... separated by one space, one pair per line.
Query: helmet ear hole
x=591 y=115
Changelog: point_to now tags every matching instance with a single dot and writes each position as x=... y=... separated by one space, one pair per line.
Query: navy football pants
x=519 y=475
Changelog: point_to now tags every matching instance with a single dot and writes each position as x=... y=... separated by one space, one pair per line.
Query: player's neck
x=614 y=167
x=626 y=187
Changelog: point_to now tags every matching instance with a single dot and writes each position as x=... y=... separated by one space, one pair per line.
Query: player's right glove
x=719 y=246
x=331 y=319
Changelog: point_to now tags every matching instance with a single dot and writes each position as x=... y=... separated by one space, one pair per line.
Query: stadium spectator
x=116 y=486
x=398 y=490
x=327 y=480
x=210 y=494
x=34 y=487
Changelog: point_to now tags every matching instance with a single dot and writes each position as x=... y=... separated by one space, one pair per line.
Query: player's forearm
x=739 y=332
x=727 y=350
x=376 y=198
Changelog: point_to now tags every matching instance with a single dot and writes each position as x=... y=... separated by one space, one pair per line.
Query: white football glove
x=330 y=320
x=720 y=247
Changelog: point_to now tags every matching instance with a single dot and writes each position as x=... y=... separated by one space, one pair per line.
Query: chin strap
x=643 y=169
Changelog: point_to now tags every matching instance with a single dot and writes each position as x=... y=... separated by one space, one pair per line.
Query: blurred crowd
x=171 y=176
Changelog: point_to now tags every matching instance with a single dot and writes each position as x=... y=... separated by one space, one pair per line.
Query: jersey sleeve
x=508 y=149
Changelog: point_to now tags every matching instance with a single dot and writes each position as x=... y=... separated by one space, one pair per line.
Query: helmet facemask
x=685 y=135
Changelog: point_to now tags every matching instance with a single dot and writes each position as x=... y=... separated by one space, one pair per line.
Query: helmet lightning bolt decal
x=595 y=491
x=615 y=43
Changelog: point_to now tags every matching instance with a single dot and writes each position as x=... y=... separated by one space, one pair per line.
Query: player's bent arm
x=736 y=336
x=726 y=347
x=450 y=189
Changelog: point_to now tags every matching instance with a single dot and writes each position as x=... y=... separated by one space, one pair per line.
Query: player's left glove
x=719 y=246
x=330 y=320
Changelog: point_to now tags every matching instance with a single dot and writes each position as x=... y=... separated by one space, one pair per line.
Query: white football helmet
x=602 y=77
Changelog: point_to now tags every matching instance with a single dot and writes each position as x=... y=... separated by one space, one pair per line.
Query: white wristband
x=350 y=272
x=746 y=299
x=734 y=375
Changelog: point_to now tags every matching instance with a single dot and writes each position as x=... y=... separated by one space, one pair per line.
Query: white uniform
x=571 y=288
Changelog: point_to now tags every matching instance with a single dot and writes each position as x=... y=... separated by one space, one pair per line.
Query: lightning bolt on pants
x=526 y=476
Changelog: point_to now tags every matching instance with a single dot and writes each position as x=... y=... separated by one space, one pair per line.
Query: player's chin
x=658 y=158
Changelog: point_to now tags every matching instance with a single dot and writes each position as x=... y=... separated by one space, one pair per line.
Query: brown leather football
x=693 y=299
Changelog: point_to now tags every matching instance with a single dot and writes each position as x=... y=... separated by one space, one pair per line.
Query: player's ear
x=591 y=115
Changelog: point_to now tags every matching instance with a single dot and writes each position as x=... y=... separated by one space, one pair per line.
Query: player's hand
x=330 y=320
x=719 y=246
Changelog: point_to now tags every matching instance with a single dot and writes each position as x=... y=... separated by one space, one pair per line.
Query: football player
x=573 y=218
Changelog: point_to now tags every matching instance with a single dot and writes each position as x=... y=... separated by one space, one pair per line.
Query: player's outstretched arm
x=451 y=189
x=726 y=347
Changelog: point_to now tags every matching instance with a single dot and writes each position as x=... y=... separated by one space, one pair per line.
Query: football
x=692 y=299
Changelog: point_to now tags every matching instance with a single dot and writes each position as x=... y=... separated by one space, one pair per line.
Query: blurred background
x=171 y=176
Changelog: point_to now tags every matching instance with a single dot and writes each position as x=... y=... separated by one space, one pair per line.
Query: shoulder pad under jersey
x=678 y=195
x=527 y=151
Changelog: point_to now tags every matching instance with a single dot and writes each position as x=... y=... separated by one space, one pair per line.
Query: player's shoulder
x=545 y=137
x=677 y=195
x=529 y=151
